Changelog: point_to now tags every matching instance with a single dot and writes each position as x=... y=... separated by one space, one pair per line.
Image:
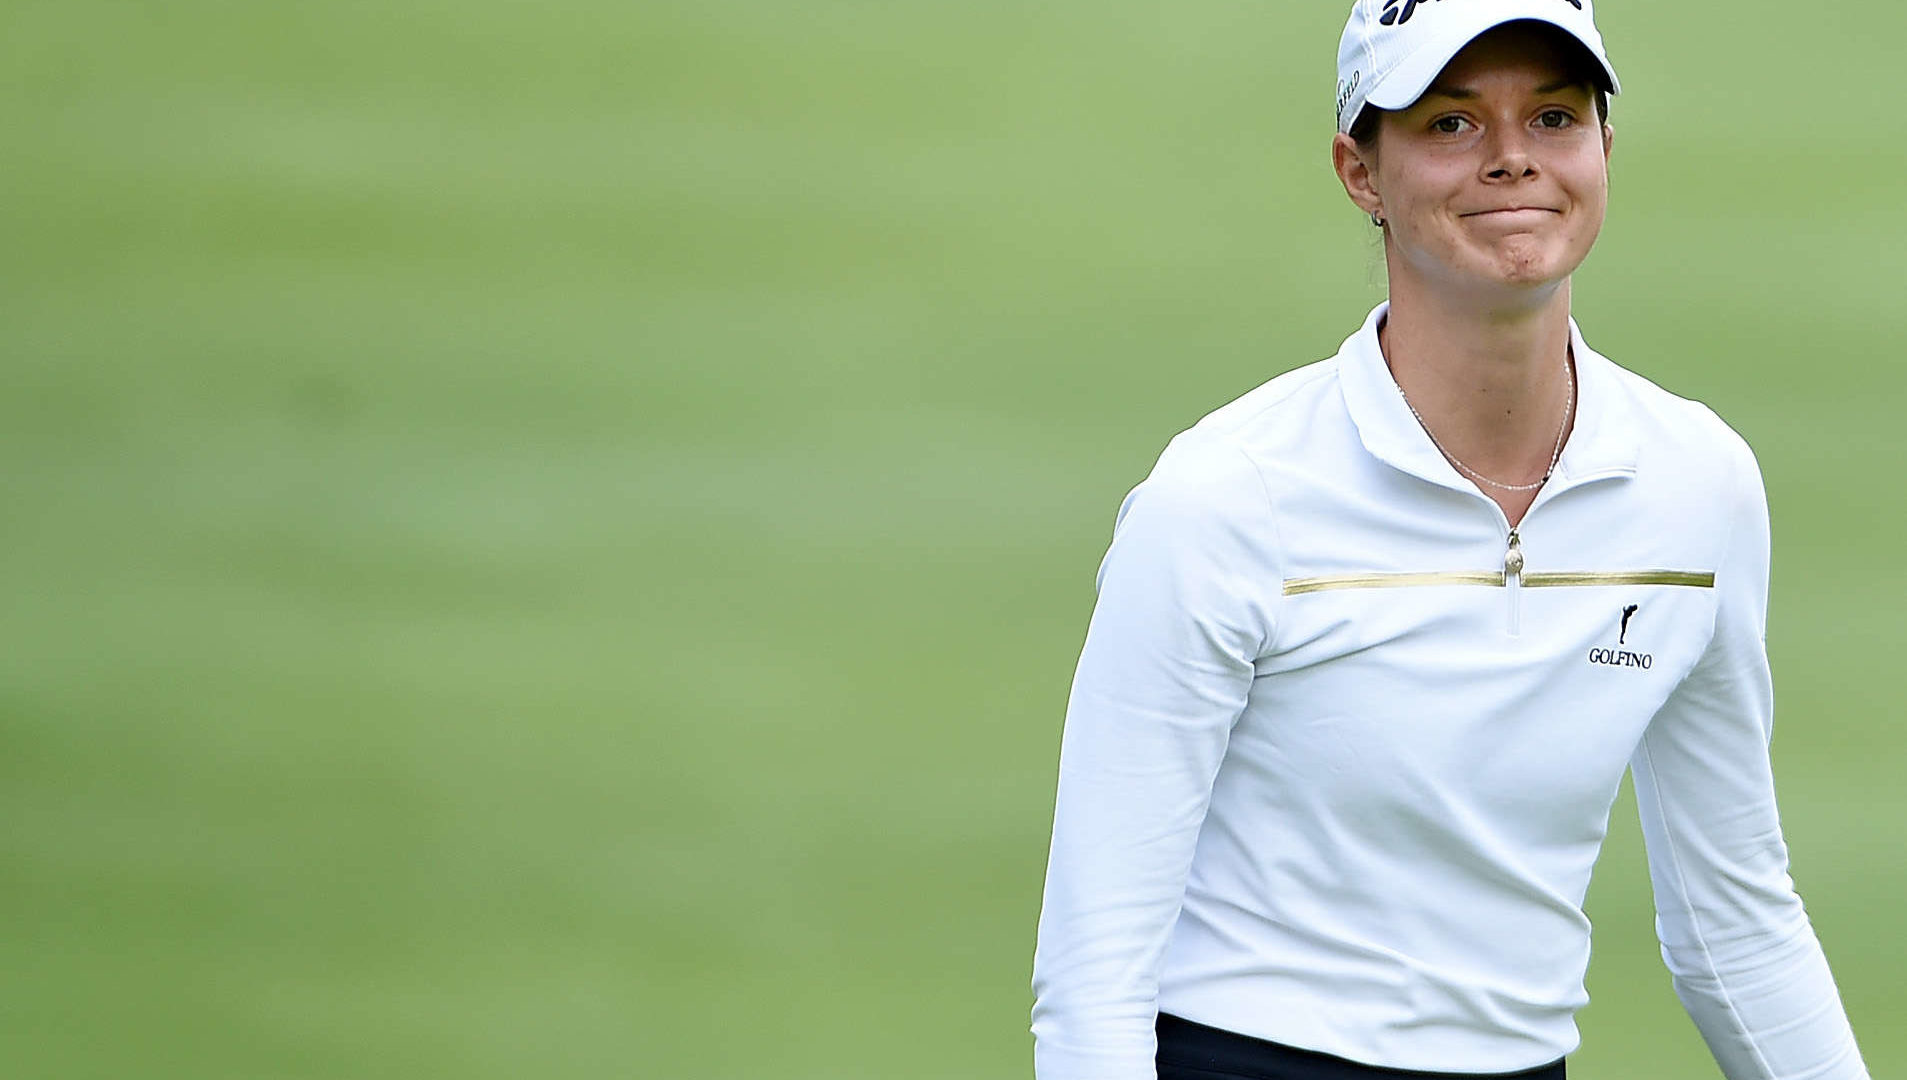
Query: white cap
x=1394 y=49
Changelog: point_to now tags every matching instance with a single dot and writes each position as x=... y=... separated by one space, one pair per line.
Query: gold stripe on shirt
x=1693 y=579
x=1300 y=586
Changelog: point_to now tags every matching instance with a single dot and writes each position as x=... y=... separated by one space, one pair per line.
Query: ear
x=1608 y=140
x=1357 y=174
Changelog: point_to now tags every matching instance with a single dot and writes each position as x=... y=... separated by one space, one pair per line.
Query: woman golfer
x=1375 y=642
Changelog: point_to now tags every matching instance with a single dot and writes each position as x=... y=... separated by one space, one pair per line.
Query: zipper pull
x=1513 y=580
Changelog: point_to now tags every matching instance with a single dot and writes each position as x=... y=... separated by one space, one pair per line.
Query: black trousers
x=1189 y=1051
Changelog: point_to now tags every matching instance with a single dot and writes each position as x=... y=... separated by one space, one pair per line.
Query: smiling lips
x=1512 y=210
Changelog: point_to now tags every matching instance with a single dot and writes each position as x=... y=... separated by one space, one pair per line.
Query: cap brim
x=1404 y=84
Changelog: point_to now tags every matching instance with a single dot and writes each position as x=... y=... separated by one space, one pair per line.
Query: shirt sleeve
x=1737 y=941
x=1181 y=618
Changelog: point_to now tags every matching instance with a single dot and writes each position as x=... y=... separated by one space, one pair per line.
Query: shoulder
x=1269 y=406
x=1696 y=480
x=1208 y=499
x=1201 y=478
x=1685 y=438
x=1213 y=467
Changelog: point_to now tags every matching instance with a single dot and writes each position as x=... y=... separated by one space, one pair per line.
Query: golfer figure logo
x=1620 y=657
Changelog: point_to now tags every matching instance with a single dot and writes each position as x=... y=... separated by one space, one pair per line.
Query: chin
x=1515 y=269
x=1529 y=261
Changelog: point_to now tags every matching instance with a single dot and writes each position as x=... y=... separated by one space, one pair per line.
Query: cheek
x=1408 y=177
x=1593 y=198
x=1590 y=185
x=1422 y=195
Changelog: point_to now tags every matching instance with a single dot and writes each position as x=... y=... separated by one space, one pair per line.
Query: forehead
x=1518 y=54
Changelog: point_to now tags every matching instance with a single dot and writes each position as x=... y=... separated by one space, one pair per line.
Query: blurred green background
x=550 y=539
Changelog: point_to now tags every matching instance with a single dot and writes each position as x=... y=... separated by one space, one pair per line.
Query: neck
x=1488 y=380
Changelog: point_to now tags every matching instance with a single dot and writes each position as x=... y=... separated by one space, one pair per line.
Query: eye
x=1449 y=125
x=1555 y=118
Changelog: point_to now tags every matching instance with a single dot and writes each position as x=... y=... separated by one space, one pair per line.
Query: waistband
x=1195 y=1046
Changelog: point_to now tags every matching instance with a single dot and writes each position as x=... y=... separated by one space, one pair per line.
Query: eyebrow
x=1464 y=93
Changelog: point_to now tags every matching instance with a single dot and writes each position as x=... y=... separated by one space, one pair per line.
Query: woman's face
x=1497 y=177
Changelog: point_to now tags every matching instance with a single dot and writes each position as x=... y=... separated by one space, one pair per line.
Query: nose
x=1508 y=159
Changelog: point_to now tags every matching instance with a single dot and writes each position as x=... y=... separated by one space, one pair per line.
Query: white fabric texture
x=1330 y=777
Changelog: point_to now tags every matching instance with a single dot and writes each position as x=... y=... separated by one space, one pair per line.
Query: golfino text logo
x=1620 y=657
x=1398 y=12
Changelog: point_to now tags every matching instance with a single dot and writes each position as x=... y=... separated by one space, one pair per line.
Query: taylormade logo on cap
x=1392 y=51
x=1400 y=11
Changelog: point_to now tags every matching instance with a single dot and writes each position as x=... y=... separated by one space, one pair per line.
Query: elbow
x=1700 y=954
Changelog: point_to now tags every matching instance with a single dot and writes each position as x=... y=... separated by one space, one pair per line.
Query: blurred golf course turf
x=550 y=540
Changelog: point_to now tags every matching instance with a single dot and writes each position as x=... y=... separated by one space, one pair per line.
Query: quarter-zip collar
x=1604 y=442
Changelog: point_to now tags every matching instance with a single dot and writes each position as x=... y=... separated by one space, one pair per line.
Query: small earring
x=1377 y=220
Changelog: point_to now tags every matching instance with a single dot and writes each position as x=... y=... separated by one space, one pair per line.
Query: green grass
x=551 y=540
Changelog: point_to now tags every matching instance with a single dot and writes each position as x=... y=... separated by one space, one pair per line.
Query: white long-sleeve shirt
x=1332 y=777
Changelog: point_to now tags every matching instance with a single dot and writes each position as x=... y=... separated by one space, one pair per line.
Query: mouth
x=1513 y=213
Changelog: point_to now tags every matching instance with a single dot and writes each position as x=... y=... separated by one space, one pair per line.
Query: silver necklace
x=1569 y=409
